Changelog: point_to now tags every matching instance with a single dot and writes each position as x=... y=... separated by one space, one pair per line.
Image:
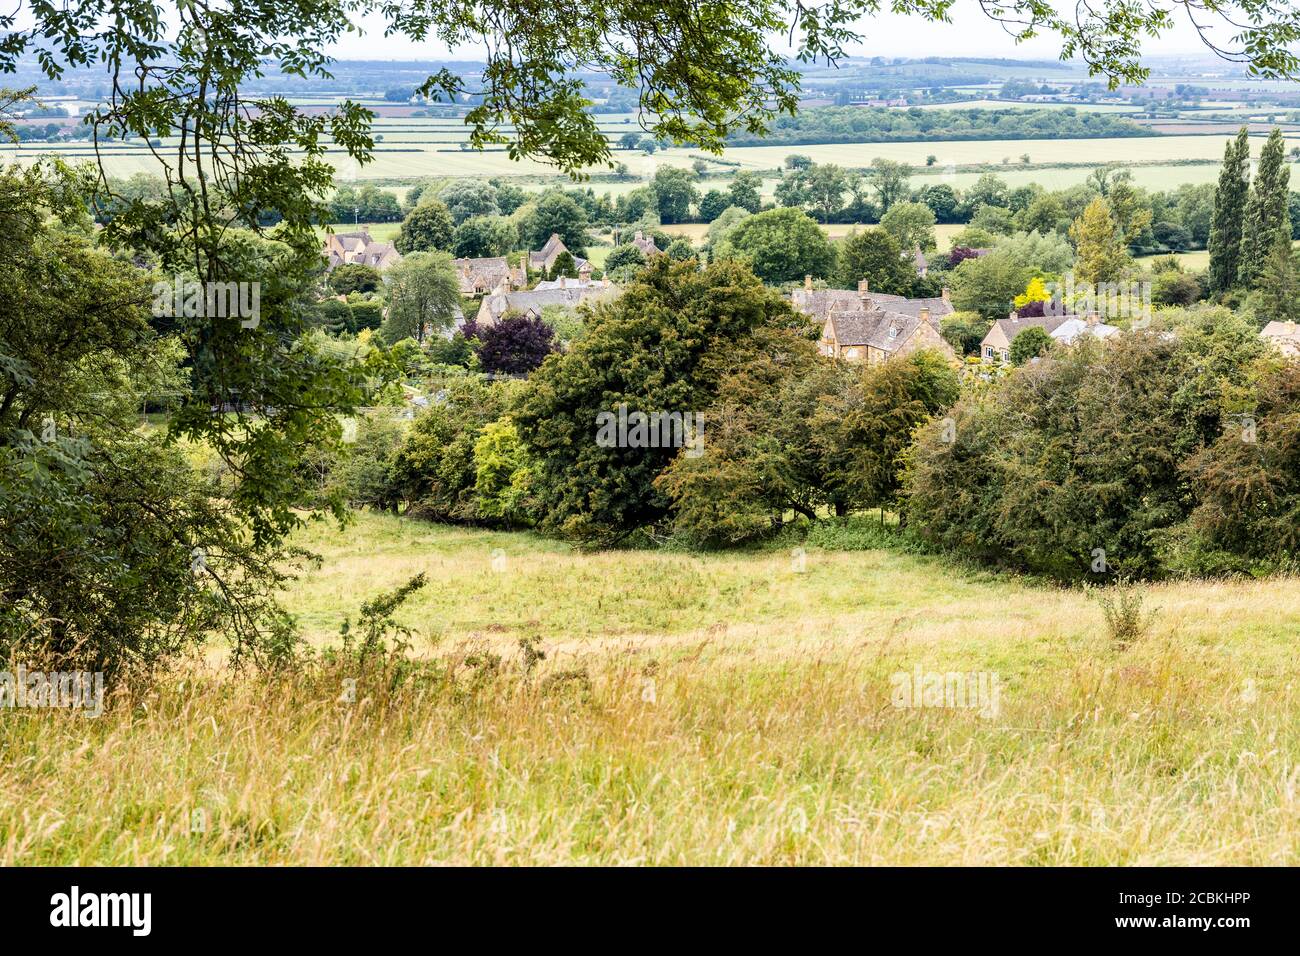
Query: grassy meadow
x=692 y=709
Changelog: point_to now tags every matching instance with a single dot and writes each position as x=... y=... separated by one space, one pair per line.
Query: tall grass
x=751 y=723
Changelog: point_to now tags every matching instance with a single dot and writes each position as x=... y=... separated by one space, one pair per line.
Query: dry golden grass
x=693 y=710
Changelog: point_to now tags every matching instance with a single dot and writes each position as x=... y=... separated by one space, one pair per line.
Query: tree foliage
x=662 y=347
x=781 y=245
x=1229 y=213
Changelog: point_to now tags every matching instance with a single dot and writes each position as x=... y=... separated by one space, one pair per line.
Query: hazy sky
x=971 y=33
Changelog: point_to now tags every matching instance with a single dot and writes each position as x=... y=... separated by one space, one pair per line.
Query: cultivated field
x=406 y=156
x=694 y=710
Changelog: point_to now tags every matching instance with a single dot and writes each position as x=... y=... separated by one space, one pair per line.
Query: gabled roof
x=1075 y=326
x=357 y=248
x=878 y=328
x=645 y=244
x=1062 y=328
x=563 y=282
x=480 y=275
x=552 y=248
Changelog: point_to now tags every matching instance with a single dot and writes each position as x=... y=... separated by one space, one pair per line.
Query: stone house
x=645 y=244
x=871 y=327
x=358 y=248
x=531 y=302
x=480 y=276
x=544 y=259
x=1065 y=329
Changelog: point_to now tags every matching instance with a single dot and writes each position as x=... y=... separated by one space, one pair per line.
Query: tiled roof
x=820 y=303
x=877 y=328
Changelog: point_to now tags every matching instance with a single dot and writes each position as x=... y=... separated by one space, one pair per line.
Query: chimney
x=947 y=295
x=564 y=281
x=925 y=315
x=639 y=237
x=1292 y=328
x=807 y=283
x=584 y=272
x=862 y=286
x=1093 y=318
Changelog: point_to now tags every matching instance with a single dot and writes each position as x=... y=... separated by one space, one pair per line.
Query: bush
x=435 y=467
x=1126 y=623
x=365 y=474
x=1081 y=464
x=863 y=532
x=515 y=344
x=1030 y=343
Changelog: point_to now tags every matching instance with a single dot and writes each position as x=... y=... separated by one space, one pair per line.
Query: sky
x=971 y=33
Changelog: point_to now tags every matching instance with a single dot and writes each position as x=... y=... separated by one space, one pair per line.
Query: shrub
x=1085 y=451
x=365 y=474
x=515 y=344
x=435 y=466
x=1126 y=622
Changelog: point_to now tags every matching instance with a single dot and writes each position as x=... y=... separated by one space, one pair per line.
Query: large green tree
x=1229 y=213
x=426 y=228
x=115 y=554
x=556 y=213
x=1266 y=212
x=876 y=256
x=675 y=191
x=423 y=297
x=781 y=245
x=662 y=347
x=745 y=191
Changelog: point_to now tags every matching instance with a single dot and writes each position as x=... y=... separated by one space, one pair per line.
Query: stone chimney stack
x=1093 y=318
x=807 y=283
x=862 y=287
x=925 y=315
x=564 y=281
x=947 y=295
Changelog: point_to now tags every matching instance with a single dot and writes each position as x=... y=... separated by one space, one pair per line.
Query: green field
x=416 y=160
x=735 y=708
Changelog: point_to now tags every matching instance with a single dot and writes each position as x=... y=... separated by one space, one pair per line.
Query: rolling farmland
x=412 y=150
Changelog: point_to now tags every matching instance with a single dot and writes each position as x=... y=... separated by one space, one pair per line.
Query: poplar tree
x=1266 y=213
x=1229 y=210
